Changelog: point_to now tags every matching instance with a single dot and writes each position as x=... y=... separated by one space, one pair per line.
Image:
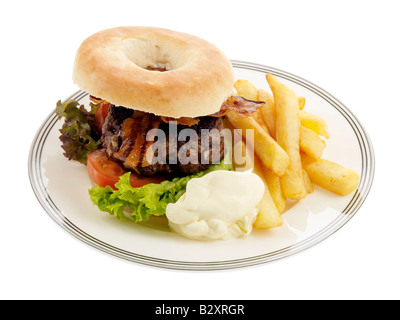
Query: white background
x=349 y=48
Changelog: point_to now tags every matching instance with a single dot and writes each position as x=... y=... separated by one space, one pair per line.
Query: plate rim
x=353 y=206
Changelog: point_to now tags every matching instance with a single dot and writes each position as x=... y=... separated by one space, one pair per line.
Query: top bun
x=115 y=64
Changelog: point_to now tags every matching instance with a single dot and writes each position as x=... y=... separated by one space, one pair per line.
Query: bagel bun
x=154 y=70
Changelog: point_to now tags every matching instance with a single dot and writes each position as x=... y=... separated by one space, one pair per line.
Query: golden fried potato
x=275 y=189
x=314 y=123
x=265 y=147
x=267 y=111
x=288 y=137
x=257 y=115
x=307 y=182
x=243 y=157
x=246 y=89
x=331 y=176
x=302 y=102
x=268 y=215
x=311 y=143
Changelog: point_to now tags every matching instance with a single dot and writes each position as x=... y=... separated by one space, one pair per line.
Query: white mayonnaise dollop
x=220 y=205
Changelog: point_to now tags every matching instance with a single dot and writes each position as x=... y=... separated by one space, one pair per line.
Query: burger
x=154 y=93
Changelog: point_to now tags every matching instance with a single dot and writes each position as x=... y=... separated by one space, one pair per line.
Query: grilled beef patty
x=124 y=137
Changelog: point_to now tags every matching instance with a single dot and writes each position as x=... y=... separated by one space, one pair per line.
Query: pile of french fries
x=287 y=149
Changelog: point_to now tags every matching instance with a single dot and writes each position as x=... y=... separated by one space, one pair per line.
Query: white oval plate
x=61 y=186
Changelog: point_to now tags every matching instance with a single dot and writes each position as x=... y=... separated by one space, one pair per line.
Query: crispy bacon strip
x=240 y=105
x=96 y=100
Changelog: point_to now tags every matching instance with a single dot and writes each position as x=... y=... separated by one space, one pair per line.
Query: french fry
x=288 y=137
x=314 y=123
x=275 y=189
x=257 y=115
x=286 y=151
x=267 y=111
x=271 y=154
x=246 y=89
x=311 y=143
x=331 y=176
x=243 y=157
x=302 y=102
x=268 y=215
x=307 y=182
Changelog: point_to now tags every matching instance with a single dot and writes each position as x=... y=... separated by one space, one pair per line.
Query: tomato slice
x=105 y=172
x=101 y=114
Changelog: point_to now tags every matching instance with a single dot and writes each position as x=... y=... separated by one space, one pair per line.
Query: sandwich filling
x=184 y=145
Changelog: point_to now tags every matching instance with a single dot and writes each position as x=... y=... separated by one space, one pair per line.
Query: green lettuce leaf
x=151 y=199
x=79 y=134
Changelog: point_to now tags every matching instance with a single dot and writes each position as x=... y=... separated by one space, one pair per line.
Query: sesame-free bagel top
x=121 y=65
